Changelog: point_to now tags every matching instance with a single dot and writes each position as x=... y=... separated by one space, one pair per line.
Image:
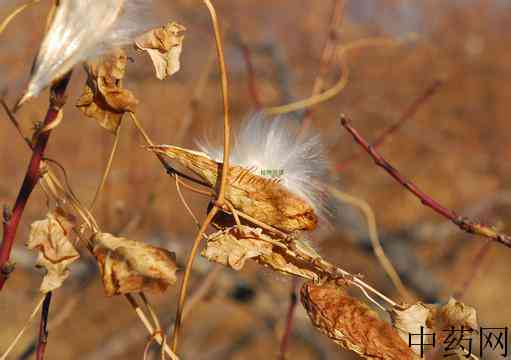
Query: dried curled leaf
x=433 y=318
x=233 y=246
x=261 y=198
x=51 y=237
x=352 y=324
x=131 y=266
x=164 y=46
x=104 y=99
x=410 y=320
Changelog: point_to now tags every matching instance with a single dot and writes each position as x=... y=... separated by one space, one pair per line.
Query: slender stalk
x=11 y=222
x=465 y=224
x=186 y=278
x=43 y=328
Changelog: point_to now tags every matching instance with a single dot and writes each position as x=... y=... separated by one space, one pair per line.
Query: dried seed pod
x=234 y=245
x=131 y=266
x=263 y=199
x=352 y=324
x=83 y=29
x=51 y=237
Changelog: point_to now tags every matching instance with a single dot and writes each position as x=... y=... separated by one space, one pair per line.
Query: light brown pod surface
x=263 y=199
x=352 y=324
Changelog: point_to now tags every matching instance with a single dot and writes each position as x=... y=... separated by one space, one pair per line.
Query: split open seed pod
x=129 y=266
x=262 y=199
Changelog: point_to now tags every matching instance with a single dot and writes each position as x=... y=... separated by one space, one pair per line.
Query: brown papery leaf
x=51 y=238
x=433 y=318
x=104 y=99
x=164 y=46
x=352 y=324
x=233 y=246
x=129 y=266
x=261 y=198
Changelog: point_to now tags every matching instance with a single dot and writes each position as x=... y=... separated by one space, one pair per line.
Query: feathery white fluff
x=273 y=148
x=84 y=29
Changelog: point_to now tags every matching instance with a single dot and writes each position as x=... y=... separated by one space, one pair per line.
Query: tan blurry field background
x=456 y=148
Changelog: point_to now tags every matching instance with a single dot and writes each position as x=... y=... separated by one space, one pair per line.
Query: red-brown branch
x=288 y=330
x=463 y=223
x=407 y=115
x=12 y=219
x=43 y=328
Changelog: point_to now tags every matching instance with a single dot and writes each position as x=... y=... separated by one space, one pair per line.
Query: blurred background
x=447 y=88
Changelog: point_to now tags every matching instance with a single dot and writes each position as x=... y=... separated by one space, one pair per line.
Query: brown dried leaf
x=104 y=99
x=51 y=237
x=258 y=197
x=233 y=246
x=410 y=320
x=131 y=266
x=352 y=324
x=164 y=46
x=456 y=314
x=434 y=319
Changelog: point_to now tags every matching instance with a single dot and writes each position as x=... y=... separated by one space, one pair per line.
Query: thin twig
x=22 y=331
x=168 y=168
x=288 y=329
x=327 y=55
x=107 y=168
x=57 y=100
x=403 y=119
x=43 y=328
x=16 y=11
x=465 y=224
x=385 y=263
x=186 y=277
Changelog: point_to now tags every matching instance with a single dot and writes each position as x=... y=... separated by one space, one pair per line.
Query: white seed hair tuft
x=274 y=148
x=84 y=29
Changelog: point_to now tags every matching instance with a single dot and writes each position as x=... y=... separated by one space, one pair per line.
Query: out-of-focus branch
x=43 y=328
x=407 y=115
x=12 y=219
x=465 y=224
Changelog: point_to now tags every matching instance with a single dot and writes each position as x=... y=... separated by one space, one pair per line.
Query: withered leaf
x=433 y=318
x=131 y=266
x=51 y=238
x=410 y=320
x=265 y=200
x=103 y=98
x=352 y=324
x=234 y=245
x=164 y=46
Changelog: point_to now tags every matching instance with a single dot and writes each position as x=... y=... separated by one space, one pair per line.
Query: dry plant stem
x=13 y=120
x=107 y=168
x=223 y=180
x=168 y=168
x=43 y=328
x=407 y=115
x=341 y=83
x=252 y=83
x=16 y=11
x=327 y=55
x=288 y=329
x=196 y=97
x=463 y=223
x=186 y=277
x=157 y=337
x=22 y=331
x=202 y=290
x=225 y=97
x=385 y=263
x=474 y=269
x=57 y=99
